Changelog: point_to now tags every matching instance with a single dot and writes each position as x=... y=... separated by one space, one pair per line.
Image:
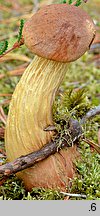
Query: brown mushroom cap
x=59 y=32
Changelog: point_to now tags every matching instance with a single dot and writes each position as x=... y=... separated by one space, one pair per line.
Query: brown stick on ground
x=29 y=160
x=90 y=114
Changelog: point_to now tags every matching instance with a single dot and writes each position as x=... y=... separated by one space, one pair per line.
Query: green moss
x=71 y=103
x=88 y=174
x=13 y=189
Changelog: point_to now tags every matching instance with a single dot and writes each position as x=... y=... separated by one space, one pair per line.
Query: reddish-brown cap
x=59 y=32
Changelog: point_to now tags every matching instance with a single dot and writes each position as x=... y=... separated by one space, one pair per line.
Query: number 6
x=93 y=206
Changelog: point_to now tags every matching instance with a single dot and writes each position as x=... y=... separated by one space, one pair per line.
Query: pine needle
x=3 y=46
x=78 y=3
x=22 y=21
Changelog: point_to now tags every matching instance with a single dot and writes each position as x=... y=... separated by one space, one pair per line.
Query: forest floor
x=83 y=75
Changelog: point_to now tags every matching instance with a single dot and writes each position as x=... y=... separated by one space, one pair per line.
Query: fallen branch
x=29 y=160
x=90 y=114
x=75 y=132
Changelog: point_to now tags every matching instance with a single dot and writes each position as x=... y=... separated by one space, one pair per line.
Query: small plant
x=20 y=29
x=73 y=103
x=77 y=3
x=12 y=189
x=3 y=46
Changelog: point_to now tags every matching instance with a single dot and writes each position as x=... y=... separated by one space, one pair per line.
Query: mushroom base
x=55 y=172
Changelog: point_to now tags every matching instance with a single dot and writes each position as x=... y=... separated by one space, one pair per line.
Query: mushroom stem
x=31 y=107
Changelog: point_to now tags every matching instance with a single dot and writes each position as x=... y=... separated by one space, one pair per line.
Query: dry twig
x=90 y=114
x=29 y=160
x=75 y=132
x=16 y=45
x=91 y=143
x=74 y=195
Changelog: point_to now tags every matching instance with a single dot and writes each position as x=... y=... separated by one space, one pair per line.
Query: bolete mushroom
x=57 y=34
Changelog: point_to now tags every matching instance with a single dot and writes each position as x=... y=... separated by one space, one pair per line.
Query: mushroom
x=58 y=34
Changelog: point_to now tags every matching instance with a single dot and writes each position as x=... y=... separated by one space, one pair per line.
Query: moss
x=13 y=189
x=71 y=103
x=88 y=174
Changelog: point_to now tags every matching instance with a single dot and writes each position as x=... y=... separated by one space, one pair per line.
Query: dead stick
x=16 y=45
x=29 y=160
x=91 y=143
x=74 y=195
x=90 y=114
